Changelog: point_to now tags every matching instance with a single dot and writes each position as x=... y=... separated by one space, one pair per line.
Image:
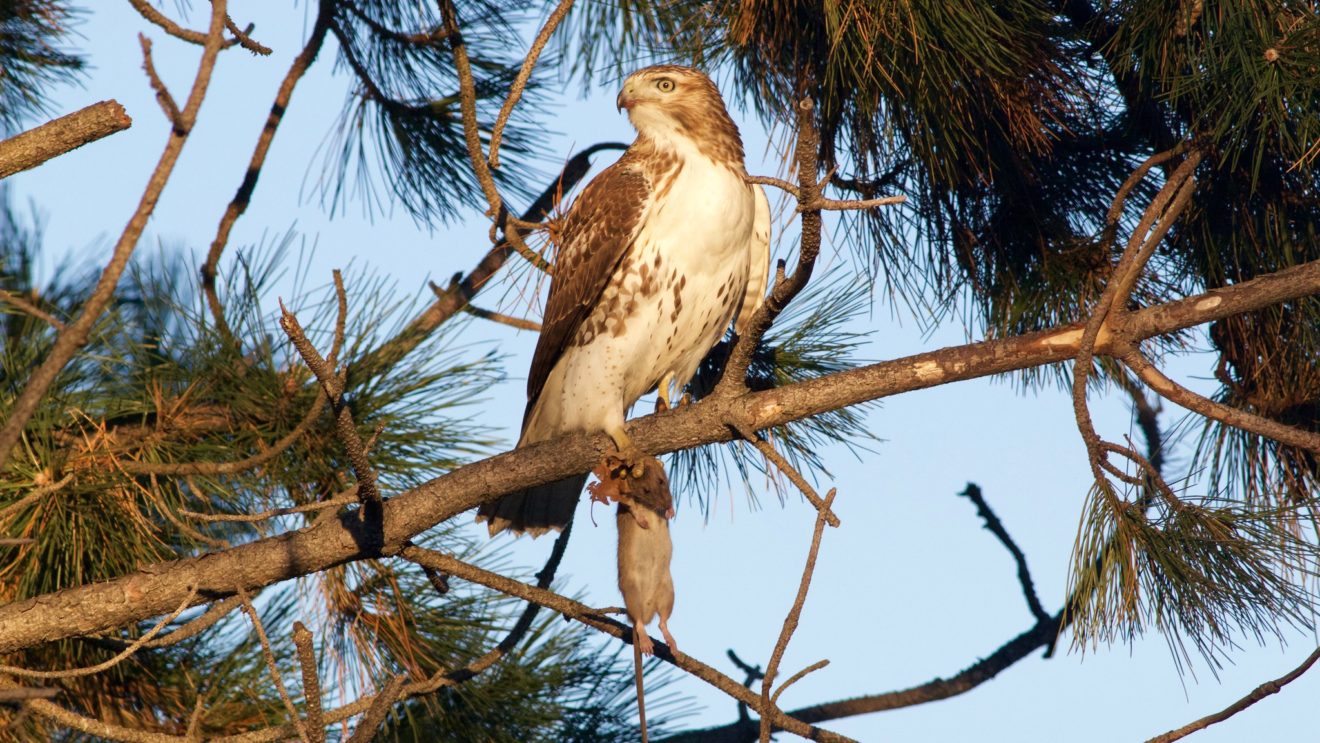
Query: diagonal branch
x=76 y=334
x=524 y=74
x=791 y=622
x=157 y=588
x=996 y=527
x=1257 y=694
x=239 y=204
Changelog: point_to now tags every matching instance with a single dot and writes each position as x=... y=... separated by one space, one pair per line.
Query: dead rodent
x=645 y=507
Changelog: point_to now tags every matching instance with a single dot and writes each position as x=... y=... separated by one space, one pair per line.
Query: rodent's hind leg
x=669 y=639
x=643 y=640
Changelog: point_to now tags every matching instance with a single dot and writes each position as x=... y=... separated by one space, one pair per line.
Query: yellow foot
x=631 y=459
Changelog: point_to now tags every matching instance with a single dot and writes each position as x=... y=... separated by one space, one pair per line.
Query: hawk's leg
x=662 y=393
x=629 y=455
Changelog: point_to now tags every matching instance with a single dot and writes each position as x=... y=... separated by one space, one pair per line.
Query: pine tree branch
x=243 y=197
x=271 y=666
x=365 y=732
x=76 y=334
x=88 y=609
x=1257 y=694
x=65 y=134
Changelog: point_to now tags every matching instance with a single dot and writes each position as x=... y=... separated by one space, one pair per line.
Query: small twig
x=16 y=541
x=774 y=698
x=754 y=674
x=791 y=621
x=251 y=611
x=35 y=495
x=244 y=39
x=97 y=728
x=217 y=611
x=229 y=468
x=163 y=96
x=54 y=138
x=424 y=38
x=516 y=633
x=380 y=706
x=345 y=427
x=467 y=89
x=1165 y=207
x=996 y=527
x=511 y=321
x=351 y=496
x=768 y=450
x=461 y=292
x=520 y=82
x=172 y=28
x=89 y=670
x=30 y=308
x=1257 y=694
x=302 y=640
x=1148 y=420
x=843 y=205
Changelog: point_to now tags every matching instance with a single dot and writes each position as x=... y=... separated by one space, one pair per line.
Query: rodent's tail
x=535 y=510
x=641 y=696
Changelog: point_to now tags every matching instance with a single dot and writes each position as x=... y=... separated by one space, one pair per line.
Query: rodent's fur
x=644 y=580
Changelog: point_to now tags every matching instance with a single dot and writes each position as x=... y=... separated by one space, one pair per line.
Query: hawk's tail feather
x=535 y=510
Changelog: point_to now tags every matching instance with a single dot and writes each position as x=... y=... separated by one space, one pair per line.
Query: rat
x=644 y=579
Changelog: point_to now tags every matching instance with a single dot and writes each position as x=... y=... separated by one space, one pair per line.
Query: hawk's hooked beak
x=624 y=100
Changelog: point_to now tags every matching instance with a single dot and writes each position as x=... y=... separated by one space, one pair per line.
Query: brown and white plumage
x=656 y=257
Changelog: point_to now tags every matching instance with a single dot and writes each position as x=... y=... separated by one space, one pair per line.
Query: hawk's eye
x=665 y=85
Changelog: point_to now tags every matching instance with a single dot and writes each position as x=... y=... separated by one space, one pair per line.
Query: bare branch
x=75 y=335
x=511 y=321
x=461 y=292
x=1247 y=421
x=30 y=308
x=791 y=621
x=520 y=82
x=65 y=134
x=149 y=12
x=1257 y=694
x=163 y=96
x=996 y=527
x=97 y=728
x=808 y=192
x=88 y=609
x=770 y=453
x=243 y=196
x=36 y=495
x=274 y=669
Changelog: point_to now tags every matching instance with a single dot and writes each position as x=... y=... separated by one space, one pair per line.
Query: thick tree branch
x=76 y=334
x=156 y=589
x=65 y=134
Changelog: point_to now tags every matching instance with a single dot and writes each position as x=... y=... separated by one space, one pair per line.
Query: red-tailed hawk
x=656 y=257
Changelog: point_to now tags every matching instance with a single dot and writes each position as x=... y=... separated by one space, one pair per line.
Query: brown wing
x=596 y=235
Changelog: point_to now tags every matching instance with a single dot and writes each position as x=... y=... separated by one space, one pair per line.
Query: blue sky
x=908 y=589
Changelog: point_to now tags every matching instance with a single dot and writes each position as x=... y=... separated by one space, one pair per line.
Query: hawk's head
x=669 y=101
